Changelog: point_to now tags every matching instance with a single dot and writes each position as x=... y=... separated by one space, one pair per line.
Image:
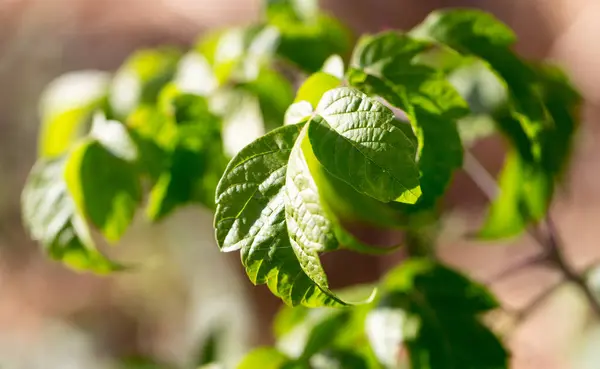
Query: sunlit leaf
x=250 y=217
x=355 y=139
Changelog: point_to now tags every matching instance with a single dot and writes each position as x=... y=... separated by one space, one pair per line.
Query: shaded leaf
x=442 y=327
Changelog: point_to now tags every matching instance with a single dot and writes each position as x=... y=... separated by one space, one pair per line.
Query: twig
x=537 y=302
x=523 y=264
x=555 y=256
x=548 y=240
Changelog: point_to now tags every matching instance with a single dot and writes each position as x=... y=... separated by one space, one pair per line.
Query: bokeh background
x=184 y=289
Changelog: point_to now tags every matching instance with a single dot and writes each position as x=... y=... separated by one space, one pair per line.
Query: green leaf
x=537 y=119
x=250 y=217
x=315 y=86
x=307 y=42
x=355 y=139
x=442 y=327
x=66 y=106
x=524 y=194
x=264 y=358
x=51 y=217
x=141 y=79
x=383 y=65
x=104 y=187
x=195 y=157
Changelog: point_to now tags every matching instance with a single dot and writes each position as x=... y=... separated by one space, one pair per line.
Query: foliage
x=376 y=140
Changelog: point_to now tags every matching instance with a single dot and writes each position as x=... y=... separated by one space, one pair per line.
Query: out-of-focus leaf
x=315 y=86
x=141 y=79
x=52 y=219
x=339 y=359
x=250 y=217
x=195 y=158
x=442 y=327
x=383 y=65
x=274 y=94
x=538 y=118
x=354 y=138
x=307 y=41
x=104 y=187
x=264 y=358
x=66 y=107
x=334 y=65
x=195 y=75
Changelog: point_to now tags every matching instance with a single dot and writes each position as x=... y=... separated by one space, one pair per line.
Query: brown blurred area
x=40 y=39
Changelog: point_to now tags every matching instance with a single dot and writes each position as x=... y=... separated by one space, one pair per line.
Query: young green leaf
x=51 y=217
x=355 y=139
x=250 y=217
x=383 y=65
x=442 y=327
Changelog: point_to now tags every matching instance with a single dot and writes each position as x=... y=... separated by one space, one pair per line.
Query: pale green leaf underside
x=309 y=228
x=250 y=216
x=355 y=139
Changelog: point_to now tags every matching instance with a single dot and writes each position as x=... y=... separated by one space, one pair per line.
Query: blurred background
x=51 y=317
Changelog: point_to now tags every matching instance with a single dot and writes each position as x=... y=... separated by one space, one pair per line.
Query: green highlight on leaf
x=52 y=219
